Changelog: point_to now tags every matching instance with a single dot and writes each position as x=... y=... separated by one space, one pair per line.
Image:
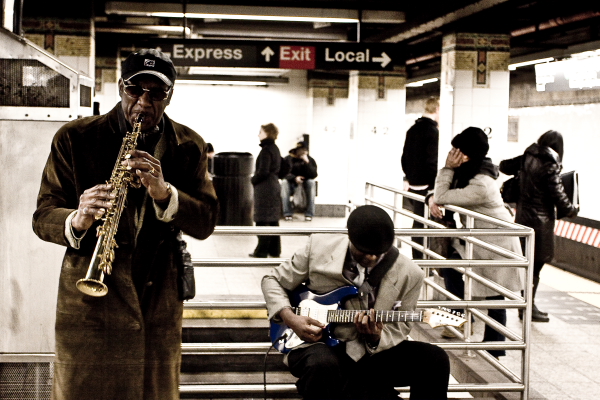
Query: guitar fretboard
x=341 y=316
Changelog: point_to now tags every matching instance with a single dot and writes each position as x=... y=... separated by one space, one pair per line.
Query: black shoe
x=256 y=256
x=537 y=310
x=536 y=316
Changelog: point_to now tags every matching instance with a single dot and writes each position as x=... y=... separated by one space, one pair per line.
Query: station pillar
x=474 y=89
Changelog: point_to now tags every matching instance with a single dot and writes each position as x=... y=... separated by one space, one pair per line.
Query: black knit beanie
x=371 y=229
x=472 y=142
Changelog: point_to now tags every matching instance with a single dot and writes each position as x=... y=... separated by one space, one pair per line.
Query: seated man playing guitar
x=372 y=357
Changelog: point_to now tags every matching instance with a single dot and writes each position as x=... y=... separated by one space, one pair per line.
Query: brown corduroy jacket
x=127 y=344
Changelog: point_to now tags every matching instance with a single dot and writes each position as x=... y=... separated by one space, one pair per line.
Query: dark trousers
x=329 y=373
x=418 y=208
x=268 y=245
x=455 y=285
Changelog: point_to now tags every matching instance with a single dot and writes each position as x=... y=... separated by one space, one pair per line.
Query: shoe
x=255 y=256
x=272 y=256
x=288 y=218
x=537 y=316
x=535 y=309
x=308 y=219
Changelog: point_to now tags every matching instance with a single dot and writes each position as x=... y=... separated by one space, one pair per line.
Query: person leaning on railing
x=469 y=180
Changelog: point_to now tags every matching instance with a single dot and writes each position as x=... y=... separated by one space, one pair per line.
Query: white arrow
x=384 y=59
x=267 y=52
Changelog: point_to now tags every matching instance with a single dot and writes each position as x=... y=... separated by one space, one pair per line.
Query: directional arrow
x=268 y=52
x=384 y=59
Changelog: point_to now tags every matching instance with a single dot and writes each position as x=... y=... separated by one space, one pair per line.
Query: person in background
x=420 y=161
x=210 y=152
x=267 y=202
x=541 y=195
x=469 y=180
x=127 y=344
x=303 y=172
x=373 y=357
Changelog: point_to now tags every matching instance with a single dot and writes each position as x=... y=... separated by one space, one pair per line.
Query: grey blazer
x=320 y=265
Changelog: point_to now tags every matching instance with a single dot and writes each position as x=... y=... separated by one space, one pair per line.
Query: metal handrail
x=465 y=267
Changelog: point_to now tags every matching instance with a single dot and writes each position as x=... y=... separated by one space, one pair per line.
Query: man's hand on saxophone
x=149 y=170
x=93 y=203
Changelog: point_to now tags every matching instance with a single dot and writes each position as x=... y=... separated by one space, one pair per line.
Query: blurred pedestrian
x=303 y=172
x=542 y=199
x=420 y=161
x=267 y=200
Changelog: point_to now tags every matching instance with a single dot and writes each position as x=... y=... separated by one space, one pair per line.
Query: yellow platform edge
x=227 y=314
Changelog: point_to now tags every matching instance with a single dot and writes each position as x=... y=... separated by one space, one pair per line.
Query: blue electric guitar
x=326 y=308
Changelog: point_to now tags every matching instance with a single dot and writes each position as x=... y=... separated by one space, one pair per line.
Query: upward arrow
x=267 y=52
x=384 y=59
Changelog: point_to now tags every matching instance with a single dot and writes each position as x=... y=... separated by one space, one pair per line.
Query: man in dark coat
x=125 y=345
x=303 y=172
x=267 y=205
x=420 y=160
x=542 y=197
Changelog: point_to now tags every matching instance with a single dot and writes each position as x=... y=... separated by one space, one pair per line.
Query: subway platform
x=564 y=351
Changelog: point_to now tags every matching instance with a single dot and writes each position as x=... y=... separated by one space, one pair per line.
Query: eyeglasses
x=136 y=91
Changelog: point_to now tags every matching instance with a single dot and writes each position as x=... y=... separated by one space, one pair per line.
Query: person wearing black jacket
x=420 y=160
x=267 y=206
x=303 y=172
x=542 y=199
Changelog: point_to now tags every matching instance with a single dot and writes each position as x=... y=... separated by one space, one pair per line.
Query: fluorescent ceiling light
x=237 y=71
x=421 y=83
x=173 y=10
x=512 y=67
x=254 y=17
x=214 y=82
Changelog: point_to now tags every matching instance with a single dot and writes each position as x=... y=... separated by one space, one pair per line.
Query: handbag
x=299 y=197
x=511 y=190
x=185 y=270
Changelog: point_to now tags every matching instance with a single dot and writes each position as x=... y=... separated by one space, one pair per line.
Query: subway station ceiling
x=538 y=28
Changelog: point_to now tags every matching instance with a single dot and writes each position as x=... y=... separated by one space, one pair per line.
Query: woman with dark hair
x=542 y=197
x=469 y=180
x=267 y=200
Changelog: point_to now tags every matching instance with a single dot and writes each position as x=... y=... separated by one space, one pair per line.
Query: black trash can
x=232 y=174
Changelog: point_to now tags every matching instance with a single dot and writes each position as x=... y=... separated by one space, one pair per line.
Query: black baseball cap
x=370 y=229
x=151 y=62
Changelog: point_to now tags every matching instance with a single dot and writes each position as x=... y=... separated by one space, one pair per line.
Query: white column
x=474 y=89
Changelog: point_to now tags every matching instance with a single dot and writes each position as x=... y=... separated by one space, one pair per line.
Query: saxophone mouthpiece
x=140 y=118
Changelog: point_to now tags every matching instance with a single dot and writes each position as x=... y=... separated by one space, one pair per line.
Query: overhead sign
x=573 y=74
x=287 y=55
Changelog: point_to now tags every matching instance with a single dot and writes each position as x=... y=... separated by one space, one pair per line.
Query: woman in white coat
x=468 y=180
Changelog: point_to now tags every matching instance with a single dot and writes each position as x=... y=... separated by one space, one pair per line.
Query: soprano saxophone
x=122 y=177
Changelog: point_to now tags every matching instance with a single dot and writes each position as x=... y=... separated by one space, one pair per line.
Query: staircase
x=224 y=353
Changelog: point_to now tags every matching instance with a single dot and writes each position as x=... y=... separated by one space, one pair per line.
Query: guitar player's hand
x=368 y=327
x=307 y=329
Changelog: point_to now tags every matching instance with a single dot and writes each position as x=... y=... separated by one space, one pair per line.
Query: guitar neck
x=341 y=316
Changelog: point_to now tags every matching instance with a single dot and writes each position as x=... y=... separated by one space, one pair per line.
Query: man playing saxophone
x=126 y=344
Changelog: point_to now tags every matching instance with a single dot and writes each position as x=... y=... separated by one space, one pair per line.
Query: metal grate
x=32 y=84
x=85 y=96
x=26 y=381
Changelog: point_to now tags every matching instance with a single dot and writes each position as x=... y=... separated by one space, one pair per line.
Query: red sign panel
x=297 y=57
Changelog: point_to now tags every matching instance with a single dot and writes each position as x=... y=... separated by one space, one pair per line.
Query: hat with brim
x=370 y=229
x=149 y=62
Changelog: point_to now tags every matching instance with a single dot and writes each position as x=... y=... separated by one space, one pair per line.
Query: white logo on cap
x=149 y=63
